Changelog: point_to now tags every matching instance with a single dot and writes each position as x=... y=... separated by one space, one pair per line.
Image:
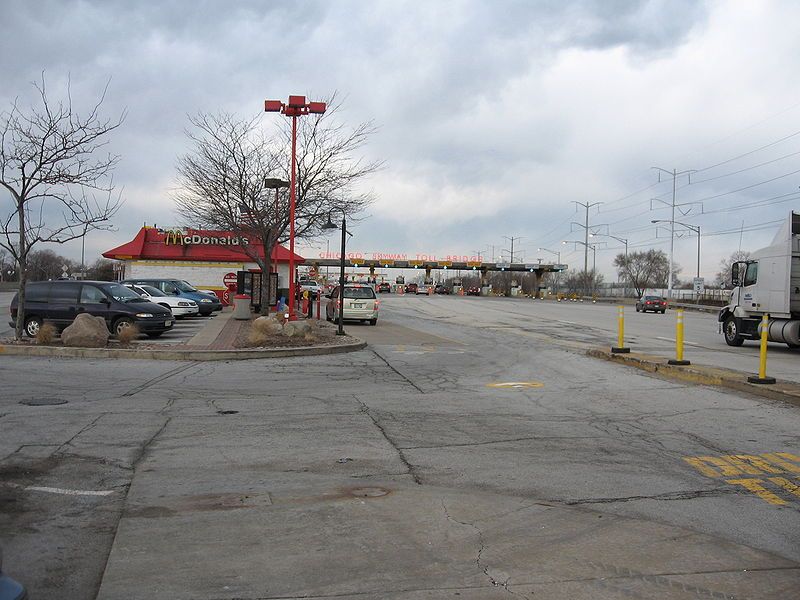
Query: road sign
x=229 y=279
x=699 y=285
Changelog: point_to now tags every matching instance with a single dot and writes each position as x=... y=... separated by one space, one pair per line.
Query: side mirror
x=735 y=279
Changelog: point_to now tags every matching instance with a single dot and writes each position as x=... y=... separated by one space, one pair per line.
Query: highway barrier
x=620 y=347
x=678 y=360
x=762 y=359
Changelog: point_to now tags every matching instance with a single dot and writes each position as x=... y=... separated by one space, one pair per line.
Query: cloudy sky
x=494 y=117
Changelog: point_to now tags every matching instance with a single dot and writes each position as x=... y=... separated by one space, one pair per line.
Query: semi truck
x=767 y=284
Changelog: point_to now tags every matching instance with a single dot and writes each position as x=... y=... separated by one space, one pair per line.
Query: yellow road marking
x=753 y=485
x=725 y=468
x=759 y=464
x=786 y=484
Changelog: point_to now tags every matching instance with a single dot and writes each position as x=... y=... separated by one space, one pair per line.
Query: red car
x=411 y=288
x=385 y=287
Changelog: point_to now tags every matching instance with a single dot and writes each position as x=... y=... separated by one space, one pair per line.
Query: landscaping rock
x=267 y=326
x=296 y=328
x=86 y=331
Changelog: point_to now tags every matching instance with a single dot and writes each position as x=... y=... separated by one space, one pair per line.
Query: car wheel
x=731 y=331
x=32 y=325
x=154 y=334
x=373 y=321
x=121 y=324
x=637 y=308
x=663 y=311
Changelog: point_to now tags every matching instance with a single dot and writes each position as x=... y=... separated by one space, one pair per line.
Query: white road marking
x=66 y=492
x=673 y=340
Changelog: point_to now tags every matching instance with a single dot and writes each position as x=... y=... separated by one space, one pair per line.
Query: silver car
x=360 y=304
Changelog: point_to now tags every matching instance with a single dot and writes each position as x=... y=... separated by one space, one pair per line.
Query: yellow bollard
x=762 y=363
x=620 y=347
x=678 y=360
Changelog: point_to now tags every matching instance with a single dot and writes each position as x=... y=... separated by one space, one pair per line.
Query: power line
x=725 y=162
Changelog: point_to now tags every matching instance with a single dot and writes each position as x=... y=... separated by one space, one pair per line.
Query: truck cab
x=767 y=284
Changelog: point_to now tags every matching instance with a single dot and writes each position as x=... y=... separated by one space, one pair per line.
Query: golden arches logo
x=173 y=237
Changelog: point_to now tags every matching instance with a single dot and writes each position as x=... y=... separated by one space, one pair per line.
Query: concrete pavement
x=450 y=458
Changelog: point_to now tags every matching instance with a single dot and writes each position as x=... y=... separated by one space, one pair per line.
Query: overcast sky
x=494 y=116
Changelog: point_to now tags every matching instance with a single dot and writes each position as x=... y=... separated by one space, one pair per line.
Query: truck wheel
x=793 y=346
x=731 y=331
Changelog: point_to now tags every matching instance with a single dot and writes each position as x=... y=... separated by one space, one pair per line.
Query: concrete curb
x=180 y=354
x=734 y=380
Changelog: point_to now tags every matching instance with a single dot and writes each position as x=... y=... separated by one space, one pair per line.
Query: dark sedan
x=474 y=291
x=385 y=287
x=652 y=303
x=440 y=289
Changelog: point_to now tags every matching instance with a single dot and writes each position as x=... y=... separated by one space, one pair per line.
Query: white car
x=180 y=307
x=313 y=287
x=360 y=304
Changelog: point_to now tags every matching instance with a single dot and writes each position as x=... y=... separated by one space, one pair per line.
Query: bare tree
x=221 y=181
x=52 y=167
x=723 y=277
x=646 y=269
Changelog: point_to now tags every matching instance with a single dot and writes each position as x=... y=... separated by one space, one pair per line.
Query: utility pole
x=512 y=239
x=585 y=225
x=675 y=174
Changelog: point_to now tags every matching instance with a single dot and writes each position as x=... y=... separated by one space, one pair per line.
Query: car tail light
x=377 y=304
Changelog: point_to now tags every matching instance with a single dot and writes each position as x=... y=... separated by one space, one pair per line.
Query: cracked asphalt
x=396 y=472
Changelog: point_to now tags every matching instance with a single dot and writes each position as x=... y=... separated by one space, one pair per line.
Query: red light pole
x=296 y=107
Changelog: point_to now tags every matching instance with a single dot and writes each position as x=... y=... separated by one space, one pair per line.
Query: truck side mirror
x=735 y=280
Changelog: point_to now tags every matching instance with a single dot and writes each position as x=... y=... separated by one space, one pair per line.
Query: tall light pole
x=273 y=183
x=675 y=174
x=585 y=226
x=331 y=225
x=694 y=228
x=295 y=107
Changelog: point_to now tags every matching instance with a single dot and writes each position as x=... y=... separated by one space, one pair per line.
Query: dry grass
x=128 y=335
x=46 y=335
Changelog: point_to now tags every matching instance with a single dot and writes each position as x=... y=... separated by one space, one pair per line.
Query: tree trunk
x=22 y=259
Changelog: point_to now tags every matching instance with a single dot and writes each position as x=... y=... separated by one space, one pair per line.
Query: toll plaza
x=431 y=263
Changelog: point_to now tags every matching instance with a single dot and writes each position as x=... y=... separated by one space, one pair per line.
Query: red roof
x=190 y=244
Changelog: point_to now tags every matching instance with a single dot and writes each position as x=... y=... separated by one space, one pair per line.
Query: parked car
x=441 y=289
x=411 y=288
x=385 y=286
x=59 y=302
x=654 y=303
x=10 y=589
x=207 y=303
x=474 y=291
x=180 y=307
x=360 y=304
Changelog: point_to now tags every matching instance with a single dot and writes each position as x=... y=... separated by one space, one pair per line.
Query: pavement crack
x=481 y=548
x=84 y=429
x=388 y=364
x=688 y=495
x=411 y=469
x=146 y=446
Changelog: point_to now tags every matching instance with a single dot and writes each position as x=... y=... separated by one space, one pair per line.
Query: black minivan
x=59 y=302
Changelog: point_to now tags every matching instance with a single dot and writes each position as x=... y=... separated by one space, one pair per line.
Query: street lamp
x=558 y=254
x=295 y=107
x=275 y=183
x=331 y=225
x=693 y=228
x=619 y=239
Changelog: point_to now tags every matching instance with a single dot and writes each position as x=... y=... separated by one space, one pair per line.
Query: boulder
x=296 y=328
x=267 y=326
x=86 y=331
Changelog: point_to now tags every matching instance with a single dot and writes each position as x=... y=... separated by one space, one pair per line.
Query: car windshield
x=652 y=298
x=152 y=291
x=120 y=293
x=185 y=287
x=358 y=292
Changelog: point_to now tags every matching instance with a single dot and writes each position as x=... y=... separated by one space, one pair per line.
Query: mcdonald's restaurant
x=208 y=260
